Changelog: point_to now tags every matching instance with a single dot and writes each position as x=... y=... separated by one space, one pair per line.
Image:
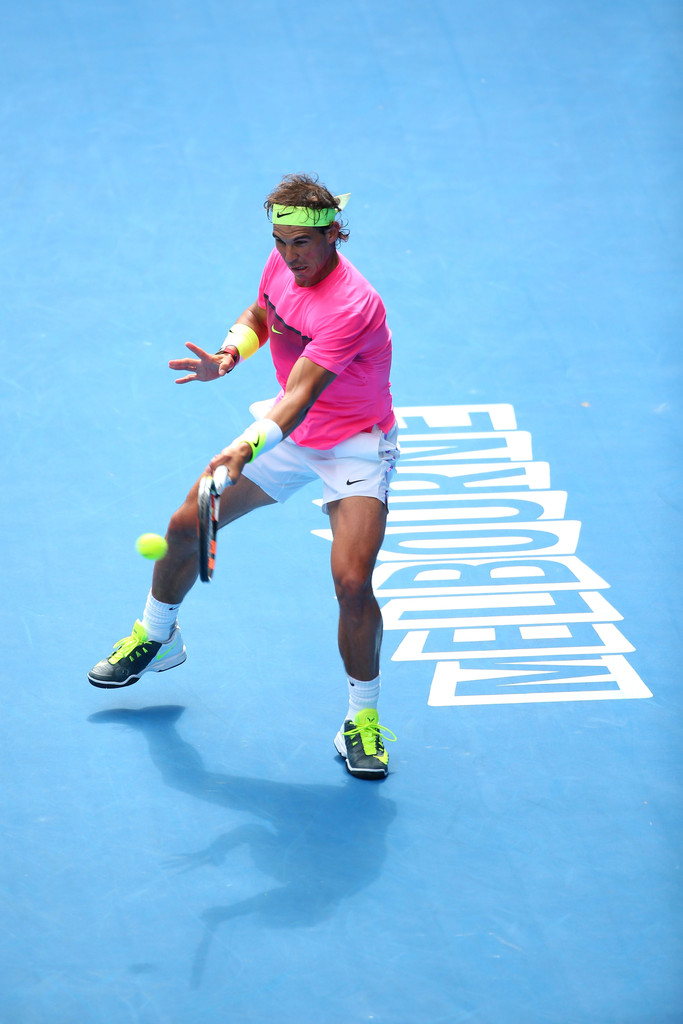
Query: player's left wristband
x=261 y=436
x=242 y=340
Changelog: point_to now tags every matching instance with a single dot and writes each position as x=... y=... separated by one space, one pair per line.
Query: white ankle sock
x=362 y=694
x=159 y=619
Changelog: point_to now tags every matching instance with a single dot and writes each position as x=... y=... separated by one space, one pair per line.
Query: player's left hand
x=207 y=365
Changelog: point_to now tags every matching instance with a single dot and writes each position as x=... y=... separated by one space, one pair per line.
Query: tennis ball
x=151 y=545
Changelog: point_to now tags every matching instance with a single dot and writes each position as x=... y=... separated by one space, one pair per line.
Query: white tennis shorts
x=363 y=465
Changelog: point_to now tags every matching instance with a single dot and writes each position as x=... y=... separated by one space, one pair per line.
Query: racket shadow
x=320 y=844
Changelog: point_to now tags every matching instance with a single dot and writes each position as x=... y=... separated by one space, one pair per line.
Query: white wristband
x=261 y=436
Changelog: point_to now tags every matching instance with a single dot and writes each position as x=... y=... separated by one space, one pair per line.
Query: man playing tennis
x=333 y=420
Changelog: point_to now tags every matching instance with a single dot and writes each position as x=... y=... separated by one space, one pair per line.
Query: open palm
x=207 y=365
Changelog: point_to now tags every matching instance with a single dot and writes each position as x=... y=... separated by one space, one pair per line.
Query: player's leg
x=155 y=643
x=175 y=575
x=358 y=525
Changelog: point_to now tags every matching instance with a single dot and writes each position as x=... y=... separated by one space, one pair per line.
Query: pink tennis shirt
x=339 y=324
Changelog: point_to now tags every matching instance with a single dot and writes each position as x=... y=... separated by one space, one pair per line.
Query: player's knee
x=182 y=528
x=353 y=587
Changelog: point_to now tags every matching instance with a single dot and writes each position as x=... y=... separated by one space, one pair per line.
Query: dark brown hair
x=305 y=190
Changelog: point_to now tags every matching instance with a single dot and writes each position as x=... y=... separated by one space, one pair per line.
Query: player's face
x=310 y=254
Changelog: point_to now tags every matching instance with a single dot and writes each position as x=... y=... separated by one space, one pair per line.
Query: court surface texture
x=190 y=848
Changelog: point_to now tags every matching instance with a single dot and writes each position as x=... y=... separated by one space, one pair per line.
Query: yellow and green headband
x=306 y=217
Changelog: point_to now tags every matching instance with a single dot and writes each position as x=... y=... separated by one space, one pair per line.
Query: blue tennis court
x=190 y=848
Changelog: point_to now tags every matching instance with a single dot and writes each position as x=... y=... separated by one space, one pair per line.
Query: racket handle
x=221 y=479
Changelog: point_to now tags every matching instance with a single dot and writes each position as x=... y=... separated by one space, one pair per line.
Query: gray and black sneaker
x=361 y=744
x=136 y=654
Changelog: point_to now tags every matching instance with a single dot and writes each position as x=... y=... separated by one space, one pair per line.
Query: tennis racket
x=208 y=507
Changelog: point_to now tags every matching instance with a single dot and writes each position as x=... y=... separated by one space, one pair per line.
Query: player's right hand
x=234 y=458
x=207 y=365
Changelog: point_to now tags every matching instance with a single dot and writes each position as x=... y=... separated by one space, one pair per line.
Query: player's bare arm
x=305 y=384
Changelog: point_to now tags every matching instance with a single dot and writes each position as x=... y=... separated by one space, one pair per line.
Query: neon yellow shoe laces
x=372 y=734
x=127 y=645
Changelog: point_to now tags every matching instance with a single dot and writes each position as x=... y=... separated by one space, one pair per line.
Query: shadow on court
x=321 y=844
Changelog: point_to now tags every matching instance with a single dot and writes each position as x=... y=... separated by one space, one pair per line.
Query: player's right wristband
x=261 y=436
x=241 y=340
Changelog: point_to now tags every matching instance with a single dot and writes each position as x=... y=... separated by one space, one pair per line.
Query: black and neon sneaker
x=361 y=744
x=136 y=654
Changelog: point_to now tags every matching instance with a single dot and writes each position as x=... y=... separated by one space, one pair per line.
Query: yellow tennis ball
x=151 y=545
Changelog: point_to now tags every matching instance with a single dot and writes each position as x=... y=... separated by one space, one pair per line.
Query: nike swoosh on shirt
x=275 y=330
x=350 y=483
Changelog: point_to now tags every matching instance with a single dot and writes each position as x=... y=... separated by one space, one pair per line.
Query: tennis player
x=332 y=421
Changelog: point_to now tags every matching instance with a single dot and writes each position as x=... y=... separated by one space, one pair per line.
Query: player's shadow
x=320 y=843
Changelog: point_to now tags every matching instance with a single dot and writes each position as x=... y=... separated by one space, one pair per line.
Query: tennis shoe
x=361 y=743
x=136 y=654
